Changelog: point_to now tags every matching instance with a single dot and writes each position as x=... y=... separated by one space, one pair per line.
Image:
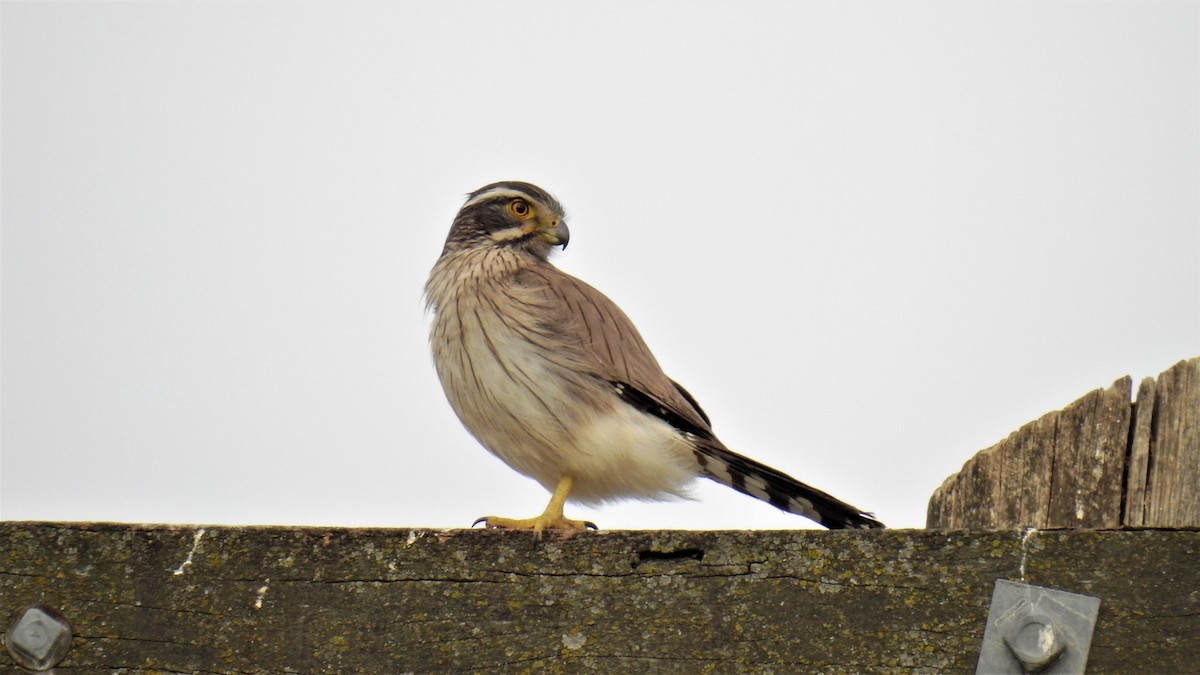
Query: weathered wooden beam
x=1101 y=462
x=271 y=600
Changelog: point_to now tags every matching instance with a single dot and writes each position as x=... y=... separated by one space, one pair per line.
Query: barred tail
x=779 y=489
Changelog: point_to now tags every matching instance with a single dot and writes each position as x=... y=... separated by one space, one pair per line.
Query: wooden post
x=149 y=599
x=1101 y=462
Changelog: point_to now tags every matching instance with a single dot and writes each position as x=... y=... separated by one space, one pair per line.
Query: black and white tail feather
x=778 y=489
x=724 y=466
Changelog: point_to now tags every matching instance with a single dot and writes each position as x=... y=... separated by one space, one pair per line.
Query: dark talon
x=481 y=520
x=590 y=525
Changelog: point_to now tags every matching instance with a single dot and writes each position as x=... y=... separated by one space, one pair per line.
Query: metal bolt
x=1035 y=643
x=39 y=638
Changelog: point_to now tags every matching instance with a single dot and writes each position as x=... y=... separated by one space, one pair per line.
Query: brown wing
x=607 y=345
x=610 y=347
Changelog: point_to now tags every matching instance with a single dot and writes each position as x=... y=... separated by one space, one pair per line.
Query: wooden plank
x=1137 y=468
x=1036 y=504
x=940 y=512
x=1174 y=468
x=1065 y=490
x=976 y=479
x=1029 y=458
x=1103 y=472
x=988 y=480
x=1087 y=479
x=1065 y=469
x=257 y=600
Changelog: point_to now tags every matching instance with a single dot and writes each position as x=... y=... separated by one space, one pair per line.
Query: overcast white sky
x=872 y=238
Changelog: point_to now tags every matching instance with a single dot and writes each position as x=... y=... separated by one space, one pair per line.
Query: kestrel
x=552 y=377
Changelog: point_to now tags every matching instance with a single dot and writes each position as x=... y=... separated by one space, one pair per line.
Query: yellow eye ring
x=520 y=208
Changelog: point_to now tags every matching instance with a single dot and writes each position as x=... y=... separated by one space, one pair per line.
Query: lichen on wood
x=145 y=599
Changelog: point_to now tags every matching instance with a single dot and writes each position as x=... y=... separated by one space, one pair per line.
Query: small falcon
x=552 y=377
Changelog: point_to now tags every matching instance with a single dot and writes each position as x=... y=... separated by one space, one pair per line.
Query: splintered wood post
x=1137 y=471
x=1173 y=479
x=1090 y=438
x=1032 y=454
x=1101 y=462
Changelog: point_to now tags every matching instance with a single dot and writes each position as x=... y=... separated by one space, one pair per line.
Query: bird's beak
x=557 y=234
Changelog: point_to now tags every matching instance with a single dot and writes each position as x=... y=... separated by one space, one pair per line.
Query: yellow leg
x=551 y=519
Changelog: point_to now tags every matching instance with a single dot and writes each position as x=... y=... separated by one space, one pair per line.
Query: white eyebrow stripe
x=499 y=192
x=512 y=233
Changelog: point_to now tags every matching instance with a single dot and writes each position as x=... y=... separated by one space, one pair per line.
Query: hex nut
x=1035 y=643
x=39 y=639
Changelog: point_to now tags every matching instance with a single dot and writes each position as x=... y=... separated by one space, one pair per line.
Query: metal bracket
x=1031 y=629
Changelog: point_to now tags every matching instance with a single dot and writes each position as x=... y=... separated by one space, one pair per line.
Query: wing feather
x=606 y=344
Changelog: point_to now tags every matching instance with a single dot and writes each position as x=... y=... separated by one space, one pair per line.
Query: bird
x=549 y=375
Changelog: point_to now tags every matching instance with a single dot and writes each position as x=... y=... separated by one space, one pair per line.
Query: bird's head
x=510 y=213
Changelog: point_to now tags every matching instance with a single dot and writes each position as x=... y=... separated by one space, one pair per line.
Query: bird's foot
x=537 y=525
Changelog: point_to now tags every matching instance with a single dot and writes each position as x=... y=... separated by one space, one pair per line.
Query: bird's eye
x=520 y=208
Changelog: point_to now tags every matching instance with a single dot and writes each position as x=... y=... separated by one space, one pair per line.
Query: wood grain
x=1101 y=462
x=1173 y=483
x=145 y=599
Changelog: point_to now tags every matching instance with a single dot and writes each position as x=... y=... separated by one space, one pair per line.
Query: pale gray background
x=871 y=238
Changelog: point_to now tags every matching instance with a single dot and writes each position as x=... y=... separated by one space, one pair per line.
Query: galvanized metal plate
x=1031 y=629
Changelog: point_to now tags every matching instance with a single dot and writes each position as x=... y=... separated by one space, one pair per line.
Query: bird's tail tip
x=853 y=521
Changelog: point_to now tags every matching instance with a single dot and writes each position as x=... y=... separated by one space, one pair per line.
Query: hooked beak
x=557 y=234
